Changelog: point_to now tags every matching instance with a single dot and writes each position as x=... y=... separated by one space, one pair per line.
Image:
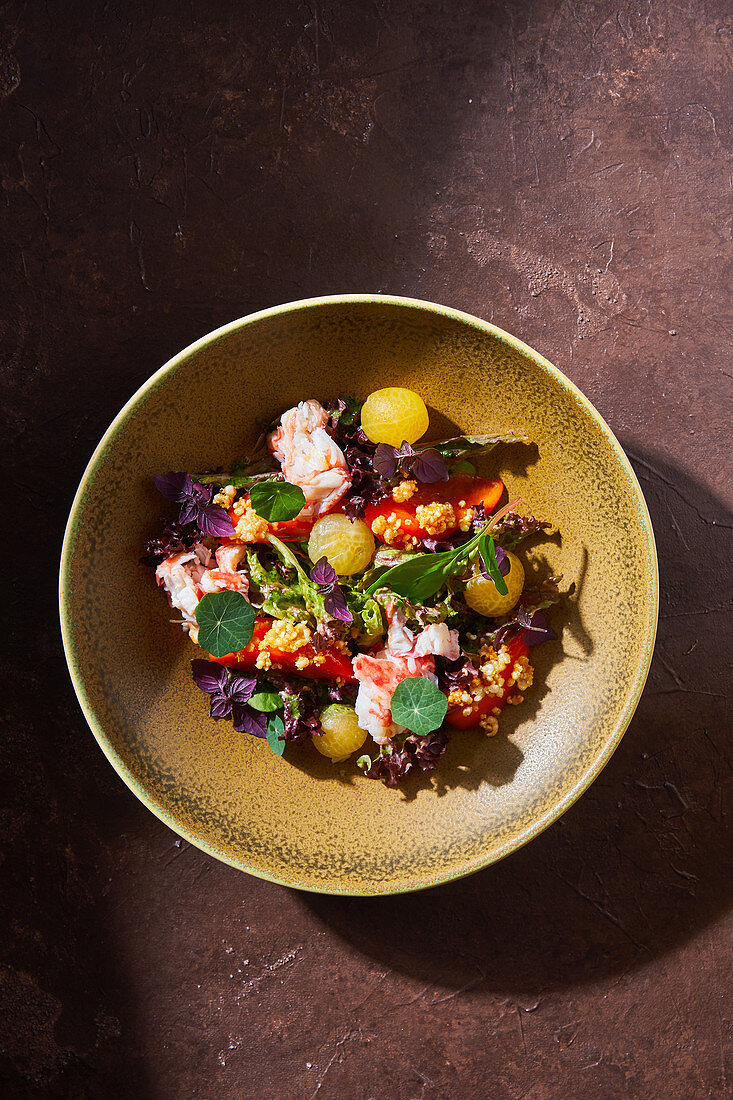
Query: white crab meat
x=180 y=587
x=225 y=576
x=310 y=458
x=186 y=580
x=405 y=654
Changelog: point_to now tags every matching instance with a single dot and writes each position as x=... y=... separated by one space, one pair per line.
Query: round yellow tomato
x=394 y=415
x=342 y=734
x=483 y=596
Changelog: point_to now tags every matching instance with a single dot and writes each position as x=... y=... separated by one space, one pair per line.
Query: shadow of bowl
x=643 y=860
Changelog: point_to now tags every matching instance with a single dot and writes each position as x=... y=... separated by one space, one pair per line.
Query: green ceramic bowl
x=299 y=820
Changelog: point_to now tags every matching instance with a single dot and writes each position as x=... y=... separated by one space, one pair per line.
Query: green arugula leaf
x=419 y=705
x=226 y=622
x=463 y=467
x=275 y=730
x=423 y=575
x=266 y=701
x=276 y=501
x=488 y=556
x=403 y=578
x=474 y=444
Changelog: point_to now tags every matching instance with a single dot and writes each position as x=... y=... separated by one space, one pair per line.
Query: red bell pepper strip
x=456 y=717
x=335 y=664
x=462 y=491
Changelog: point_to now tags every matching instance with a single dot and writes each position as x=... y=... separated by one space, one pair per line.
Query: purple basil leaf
x=221 y=707
x=202 y=494
x=323 y=574
x=405 y=450
x=208 y=675
x=429 y=467
x=384 y=461
x=213 y=520
x=174 y=487
x=245 y=720
x=335 y=605
x=539 y=630
x=241 y=688
x=189 y=511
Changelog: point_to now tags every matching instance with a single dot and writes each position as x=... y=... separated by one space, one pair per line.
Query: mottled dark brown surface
x=563 y=170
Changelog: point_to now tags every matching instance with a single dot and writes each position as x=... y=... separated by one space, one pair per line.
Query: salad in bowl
x=349 y=586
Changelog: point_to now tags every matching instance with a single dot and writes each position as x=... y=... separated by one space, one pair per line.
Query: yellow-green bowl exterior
x=297 y=819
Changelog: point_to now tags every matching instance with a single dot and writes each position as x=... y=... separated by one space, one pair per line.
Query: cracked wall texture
x=563 y=170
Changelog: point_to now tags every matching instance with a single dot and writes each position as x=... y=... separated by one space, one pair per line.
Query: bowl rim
x=558 y=808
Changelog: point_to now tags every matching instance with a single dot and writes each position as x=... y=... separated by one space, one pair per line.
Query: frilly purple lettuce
x=413 y=752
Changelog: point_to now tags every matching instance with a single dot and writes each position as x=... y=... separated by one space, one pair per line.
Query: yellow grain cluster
x=249 y=527
x=436 y=518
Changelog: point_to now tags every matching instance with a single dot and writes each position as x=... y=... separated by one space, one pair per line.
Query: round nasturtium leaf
x=226 y=622
x=277 y=501
x=419 y=705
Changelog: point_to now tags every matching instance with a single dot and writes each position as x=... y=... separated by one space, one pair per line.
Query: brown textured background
x=562 y=169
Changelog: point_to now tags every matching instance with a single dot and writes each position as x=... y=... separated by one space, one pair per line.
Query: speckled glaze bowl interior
x=298 y=819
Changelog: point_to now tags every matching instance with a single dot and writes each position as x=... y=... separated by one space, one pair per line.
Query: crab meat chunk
x=404 y=655
x=310 y=458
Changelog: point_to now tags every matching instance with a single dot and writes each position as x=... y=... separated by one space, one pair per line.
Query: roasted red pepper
x=335 y=664
x=456 y=716
x=462 y=491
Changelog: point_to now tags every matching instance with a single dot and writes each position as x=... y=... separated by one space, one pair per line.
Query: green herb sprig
x=425 y=574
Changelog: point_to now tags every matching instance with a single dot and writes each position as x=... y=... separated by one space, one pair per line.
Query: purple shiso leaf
x=428 y=750
x=245 y=720
x=538 y=630
x=324 y=575
x=479 y=518
x=454 y=674
x=240 y=688
x=202 y=494
x=335 y=605
x=189 y=511
x=221 y=707
x=429 y=467
x=385 y=462
x=171 y=541
x=213 y=520
x=208 y=675
x=174 y=486
x=502 y=560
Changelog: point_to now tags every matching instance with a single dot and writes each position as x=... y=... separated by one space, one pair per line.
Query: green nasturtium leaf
x=276 y=501
x=275 y=730
x=226 y=622
x=266 y=701
x=419 y=705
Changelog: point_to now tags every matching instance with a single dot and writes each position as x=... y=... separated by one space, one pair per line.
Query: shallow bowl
x=297 y=819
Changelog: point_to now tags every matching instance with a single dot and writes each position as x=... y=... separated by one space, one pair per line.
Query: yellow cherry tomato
x=342 y=734
x=483 y=596
x=394 y=415
x=347 y=545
